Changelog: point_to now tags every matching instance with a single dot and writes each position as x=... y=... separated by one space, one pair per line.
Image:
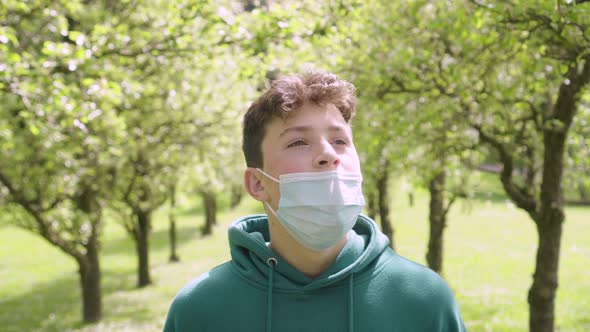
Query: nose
x=327 y=157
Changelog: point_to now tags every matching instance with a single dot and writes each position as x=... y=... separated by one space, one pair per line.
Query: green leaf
x=34 y=129
x=14 y=58
x=542 y=49
x=563 y=68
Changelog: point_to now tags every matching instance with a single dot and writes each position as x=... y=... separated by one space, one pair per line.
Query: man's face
x=311 y=139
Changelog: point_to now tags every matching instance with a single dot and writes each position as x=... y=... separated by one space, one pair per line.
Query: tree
x=577 y=171
x=516 y=73
x=50 y=167
x=73 y=128
x=171 y=73
x=59 y=138
x=379 y=154
x=409 y=128
x=172 y=227
x=543 y=96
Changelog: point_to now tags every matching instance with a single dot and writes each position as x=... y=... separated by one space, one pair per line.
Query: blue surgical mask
x=318 y=208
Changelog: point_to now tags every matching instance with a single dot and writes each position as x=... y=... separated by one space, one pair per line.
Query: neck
x=309 y=262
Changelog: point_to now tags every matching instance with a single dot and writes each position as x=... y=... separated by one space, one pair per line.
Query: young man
x=312 y=263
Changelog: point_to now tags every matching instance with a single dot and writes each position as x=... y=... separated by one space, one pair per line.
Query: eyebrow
x=303 y=129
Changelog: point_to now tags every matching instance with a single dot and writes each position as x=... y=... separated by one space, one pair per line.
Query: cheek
x=286 y=164
x=351 y=162
x=294 y=167
x=354 y=167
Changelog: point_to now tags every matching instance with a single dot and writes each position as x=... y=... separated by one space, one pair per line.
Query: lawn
x=489 y=256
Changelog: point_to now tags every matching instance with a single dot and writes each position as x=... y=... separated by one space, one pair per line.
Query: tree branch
x=520 y=196
x=450 y=203
x=568 y=94
x=393 y=86
x=43 y=225
x=17 y=196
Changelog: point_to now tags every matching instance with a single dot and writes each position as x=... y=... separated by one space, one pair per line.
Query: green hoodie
x=367 y=288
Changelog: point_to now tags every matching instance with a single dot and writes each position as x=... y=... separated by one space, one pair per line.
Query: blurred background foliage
x=113 y=109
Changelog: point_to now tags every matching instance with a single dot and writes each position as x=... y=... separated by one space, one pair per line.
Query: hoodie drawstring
x=272 y=262
x=350 y=303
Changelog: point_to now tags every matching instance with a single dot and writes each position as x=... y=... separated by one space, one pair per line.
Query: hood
x=248 y=239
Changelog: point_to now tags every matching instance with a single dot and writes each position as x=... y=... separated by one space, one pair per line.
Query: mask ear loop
x=268 y=176
x=266 y=203
x=271 y=210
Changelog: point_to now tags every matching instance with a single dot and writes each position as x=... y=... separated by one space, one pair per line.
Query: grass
x=489 y=260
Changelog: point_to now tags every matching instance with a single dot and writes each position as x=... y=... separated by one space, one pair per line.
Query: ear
x=254 y=185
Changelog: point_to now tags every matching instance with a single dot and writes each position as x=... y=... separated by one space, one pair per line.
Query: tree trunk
x=542 y=293
x=584 y=192
x=551 y=216
x=250 y=5
x=549 y=223
x=89 y=271
x=210 y=205
x=86 y=201
x=172 y=231
x=437 y=218
x=411 y=198
x=383 y=199
x=236 y=196
x=142 y=247
x=372 y=205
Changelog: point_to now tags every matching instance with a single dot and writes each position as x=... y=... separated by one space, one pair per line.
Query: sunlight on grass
x=489 y=260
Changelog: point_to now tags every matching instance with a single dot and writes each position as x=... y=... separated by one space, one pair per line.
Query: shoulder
x=196 y=299
x=420 y=290
x=414 y=279
x=209 y=284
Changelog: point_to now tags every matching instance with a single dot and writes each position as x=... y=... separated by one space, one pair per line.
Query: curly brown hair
x=287 y=94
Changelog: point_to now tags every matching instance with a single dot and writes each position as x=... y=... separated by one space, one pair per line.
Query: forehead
x=310 y=117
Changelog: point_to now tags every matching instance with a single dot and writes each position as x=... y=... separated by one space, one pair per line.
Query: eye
x=298 y=142
x=340 y=141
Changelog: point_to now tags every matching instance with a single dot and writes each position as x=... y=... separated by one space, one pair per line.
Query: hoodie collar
x=248 y=237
